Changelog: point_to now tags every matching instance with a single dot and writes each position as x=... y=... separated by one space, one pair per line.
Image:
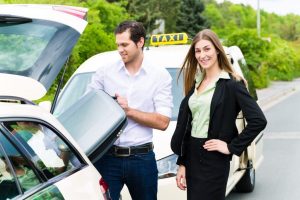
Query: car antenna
x=59 y=87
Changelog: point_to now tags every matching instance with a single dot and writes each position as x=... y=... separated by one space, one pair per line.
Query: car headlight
x=167 y=166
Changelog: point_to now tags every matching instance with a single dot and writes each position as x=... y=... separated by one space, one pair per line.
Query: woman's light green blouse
x=199 y=104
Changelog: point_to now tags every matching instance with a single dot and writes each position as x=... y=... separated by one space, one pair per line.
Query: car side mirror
x=46 y=105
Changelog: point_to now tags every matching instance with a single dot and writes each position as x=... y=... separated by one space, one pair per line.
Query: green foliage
x=283 y=61
x=149 y=11
x=109 y=14
x=227 y=17
x=170 y=10
x=255 y=51
x=146 y=12
x=287 y=27
x=296 y=46
x=190 y=18
x=254 y=48
x=260 y=76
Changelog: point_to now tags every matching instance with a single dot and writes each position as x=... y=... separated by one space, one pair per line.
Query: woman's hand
x=216 y=145
x=180 y=178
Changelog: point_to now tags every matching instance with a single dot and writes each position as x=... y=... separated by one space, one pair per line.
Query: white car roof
x=168 y=56
x=46 y=12
x=24 y=110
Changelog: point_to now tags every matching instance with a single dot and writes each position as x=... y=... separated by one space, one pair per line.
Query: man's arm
x=153 y=120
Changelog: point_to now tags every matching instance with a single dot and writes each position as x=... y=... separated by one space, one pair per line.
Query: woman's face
x=206 y=54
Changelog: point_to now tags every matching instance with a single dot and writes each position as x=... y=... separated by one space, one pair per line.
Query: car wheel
x=247 y=182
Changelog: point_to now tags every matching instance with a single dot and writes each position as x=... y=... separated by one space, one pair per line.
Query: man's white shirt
x=149 y=90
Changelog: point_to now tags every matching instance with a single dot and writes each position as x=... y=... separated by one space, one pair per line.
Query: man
x=144 y=92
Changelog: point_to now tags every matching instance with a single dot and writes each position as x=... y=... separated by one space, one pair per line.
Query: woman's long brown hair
x=189 y=67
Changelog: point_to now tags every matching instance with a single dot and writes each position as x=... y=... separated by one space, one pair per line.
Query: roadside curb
x=277 y=91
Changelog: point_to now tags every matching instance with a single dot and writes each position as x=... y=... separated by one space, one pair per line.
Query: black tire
x=247 y=182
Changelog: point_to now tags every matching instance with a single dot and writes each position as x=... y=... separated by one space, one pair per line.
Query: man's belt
x=128 y=151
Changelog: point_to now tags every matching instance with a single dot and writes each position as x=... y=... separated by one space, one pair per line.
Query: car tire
x=247 y=182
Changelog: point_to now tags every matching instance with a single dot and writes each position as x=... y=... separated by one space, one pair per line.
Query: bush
x=283 y=61
x=255 y=51
x=260 y=78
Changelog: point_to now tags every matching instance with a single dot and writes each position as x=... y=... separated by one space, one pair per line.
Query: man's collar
x=145 y=66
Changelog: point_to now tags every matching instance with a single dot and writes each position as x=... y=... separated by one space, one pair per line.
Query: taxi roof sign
x=171 y=38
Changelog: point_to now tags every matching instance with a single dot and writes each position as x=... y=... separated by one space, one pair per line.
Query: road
x=278 y=178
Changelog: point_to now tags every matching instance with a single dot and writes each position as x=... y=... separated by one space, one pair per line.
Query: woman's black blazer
x=229 y=98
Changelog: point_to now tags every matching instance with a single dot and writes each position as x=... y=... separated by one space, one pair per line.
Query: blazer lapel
x=218 y=96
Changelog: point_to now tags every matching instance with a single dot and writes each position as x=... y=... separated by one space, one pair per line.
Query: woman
x=206 y=135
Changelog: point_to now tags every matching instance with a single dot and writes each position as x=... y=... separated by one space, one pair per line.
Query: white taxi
x=242 y=169
x=39 y=159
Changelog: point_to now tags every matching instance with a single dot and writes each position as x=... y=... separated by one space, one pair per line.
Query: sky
x=280 y=7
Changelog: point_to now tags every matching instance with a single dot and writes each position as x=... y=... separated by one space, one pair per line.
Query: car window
x=50 y=153
x=177 y=91
x=246 y=72
x=51 y=192
x=14 y=166
x=30 y=39
x=34 y=48
x=72 y=92
x=78 y=84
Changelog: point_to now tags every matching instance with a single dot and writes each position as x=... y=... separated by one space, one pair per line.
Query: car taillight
x=104 y=189
x=78 y=12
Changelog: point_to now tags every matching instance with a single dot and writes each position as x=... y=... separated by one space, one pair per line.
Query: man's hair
x=136 y=30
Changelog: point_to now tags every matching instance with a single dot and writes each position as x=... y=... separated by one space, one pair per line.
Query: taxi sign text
x=172 y=38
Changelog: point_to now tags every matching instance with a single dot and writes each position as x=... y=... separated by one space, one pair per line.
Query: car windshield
x=78 y=84
x=34 y=48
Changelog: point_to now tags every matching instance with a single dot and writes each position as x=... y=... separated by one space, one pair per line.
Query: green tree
x=282 y=61
x=255 y=51
x=146 y=12
x=190 y=18
x=170 y=10
x=149 y=11
x=227 y=17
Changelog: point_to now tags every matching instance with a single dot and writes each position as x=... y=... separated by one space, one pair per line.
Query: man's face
x=128 y=50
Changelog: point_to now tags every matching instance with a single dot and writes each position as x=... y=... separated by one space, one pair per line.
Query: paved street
x=278 y=177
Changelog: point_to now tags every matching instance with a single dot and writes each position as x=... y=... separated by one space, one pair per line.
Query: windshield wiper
x=13 y=19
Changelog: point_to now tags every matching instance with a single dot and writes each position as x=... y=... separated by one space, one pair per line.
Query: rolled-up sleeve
x=97 y=81
x=163 y=100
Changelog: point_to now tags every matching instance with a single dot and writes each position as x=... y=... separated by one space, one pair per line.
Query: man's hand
x=152 y=120
x=180 y=178
x=122 y=101
x=216 y=145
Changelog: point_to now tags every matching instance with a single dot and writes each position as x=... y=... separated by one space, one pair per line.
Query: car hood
x=35 y=43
